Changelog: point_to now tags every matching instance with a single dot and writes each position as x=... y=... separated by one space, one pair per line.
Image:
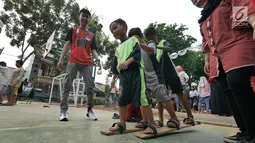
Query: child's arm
x=196 y=93
x=147 y=48
x=165 y=48
x=186 y=77
x=65 y=48
x=94 y=50
x=127 y=62
x=136 y=57
x=114 y=71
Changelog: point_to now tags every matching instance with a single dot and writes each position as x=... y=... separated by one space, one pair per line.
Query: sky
x=137 y=13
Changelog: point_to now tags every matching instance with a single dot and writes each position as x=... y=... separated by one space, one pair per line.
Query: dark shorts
x=171 y=77
x=175 y=85
x=133 y=88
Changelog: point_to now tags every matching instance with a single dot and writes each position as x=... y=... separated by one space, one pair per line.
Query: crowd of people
x=11 y=87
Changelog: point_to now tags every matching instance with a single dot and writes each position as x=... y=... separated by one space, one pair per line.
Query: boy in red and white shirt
x=81 y=41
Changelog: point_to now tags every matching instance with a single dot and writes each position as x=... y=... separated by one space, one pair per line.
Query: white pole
x=52 y=85
x=60 y=89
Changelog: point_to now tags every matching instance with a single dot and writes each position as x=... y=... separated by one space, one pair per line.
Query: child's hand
x=124 y=65
x=60 y=64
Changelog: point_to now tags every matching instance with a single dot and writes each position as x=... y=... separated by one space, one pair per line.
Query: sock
x=89 y=108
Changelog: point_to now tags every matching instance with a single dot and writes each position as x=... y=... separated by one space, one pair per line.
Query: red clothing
x=233 y=46
x=132 y=111
x=210 y=80
x=253 y=82
x=81 y=46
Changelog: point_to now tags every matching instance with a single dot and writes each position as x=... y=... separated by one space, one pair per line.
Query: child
x=155 y=82
x=193 y=94
x=81 y=42
x=171 y=77
x=129 y=67
x=133 y=113
x=184 y=78
x=204 y=92
x=14 y=83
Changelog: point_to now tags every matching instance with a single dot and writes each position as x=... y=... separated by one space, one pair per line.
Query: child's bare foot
x=159 y=123
x=118 y=127
x=141 y=124
x=151 y=129
x=173 y=123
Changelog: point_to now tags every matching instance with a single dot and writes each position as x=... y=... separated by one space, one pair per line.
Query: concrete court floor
x=34 y=124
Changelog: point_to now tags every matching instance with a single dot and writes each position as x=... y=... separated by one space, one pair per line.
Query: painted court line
x=35 y=127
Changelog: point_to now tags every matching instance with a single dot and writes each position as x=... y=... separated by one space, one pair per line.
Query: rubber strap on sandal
x=185 y=119
x=159 y=122
x=155 y=132
x=121 y=127
x=175 y=122
x=144 y=124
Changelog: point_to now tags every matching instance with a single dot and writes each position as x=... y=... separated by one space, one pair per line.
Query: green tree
x=31 y=22
x=106 y=89
x=110 y=47
x=174 y=34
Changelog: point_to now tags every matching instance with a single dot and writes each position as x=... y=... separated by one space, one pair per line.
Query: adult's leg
x=239 y=81
x=222 y=80
x=1 y=98
x=8 y=94
x=191 y=102
x=71 y=71
x=200 y=101
x=86 y=72
x=207 y=103
x=177 y=102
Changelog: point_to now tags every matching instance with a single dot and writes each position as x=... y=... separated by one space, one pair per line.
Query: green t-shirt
x=128 y=49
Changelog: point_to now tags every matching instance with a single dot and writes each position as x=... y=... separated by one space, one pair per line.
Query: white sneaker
x=63 y=117
x=91 y=115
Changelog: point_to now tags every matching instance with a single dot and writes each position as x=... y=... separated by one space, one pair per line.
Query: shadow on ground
x=35 y=124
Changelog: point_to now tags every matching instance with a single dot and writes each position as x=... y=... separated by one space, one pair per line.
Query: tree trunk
x=28 y=56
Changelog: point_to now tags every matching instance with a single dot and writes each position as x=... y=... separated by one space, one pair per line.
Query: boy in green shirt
x=129 y=67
